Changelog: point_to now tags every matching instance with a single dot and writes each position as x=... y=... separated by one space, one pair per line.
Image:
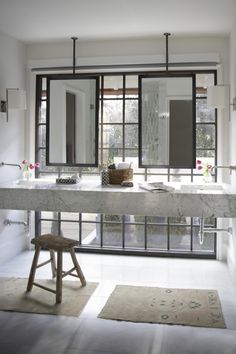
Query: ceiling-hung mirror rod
x=167 y=34
x=74 y=39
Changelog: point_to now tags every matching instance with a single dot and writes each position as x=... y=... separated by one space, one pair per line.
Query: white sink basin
x=199 y=188
x=34 y=182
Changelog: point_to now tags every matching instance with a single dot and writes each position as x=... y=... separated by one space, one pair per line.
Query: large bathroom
x=118 y=168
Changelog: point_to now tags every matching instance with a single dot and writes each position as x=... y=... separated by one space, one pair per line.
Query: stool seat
x=59 y=244
x=54 y=242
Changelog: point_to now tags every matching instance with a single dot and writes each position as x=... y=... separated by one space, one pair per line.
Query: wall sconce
x=218 y=97
x=15 y=99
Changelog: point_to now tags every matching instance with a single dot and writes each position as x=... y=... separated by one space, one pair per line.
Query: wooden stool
x=58 y=244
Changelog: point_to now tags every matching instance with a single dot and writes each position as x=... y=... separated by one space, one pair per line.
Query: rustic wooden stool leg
x=33 y=268
x=53 y=263
x=77 y=266
x=59 y=277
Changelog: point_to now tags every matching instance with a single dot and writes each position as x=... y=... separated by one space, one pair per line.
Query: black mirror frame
x=169 y=74
x=72 y=77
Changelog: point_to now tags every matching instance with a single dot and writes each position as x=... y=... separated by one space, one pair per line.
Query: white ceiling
x=55 y=20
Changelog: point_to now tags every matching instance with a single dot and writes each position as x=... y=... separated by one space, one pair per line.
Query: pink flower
x=29 y=166
x=199 y=162
x=199 y=167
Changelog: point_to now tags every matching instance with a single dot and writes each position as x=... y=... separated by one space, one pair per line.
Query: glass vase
x=207 y=177
x=27 y=175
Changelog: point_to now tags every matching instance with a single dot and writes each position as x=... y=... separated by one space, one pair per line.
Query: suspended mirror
x=167 y=120
x=72 y=120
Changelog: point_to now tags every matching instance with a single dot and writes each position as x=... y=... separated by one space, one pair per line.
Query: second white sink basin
x=211 y=187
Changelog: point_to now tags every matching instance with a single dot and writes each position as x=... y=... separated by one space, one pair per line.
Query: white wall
x=12 y=75
x=231 y=242
x=149 y=50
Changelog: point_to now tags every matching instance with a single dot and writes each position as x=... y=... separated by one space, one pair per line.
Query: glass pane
x=129 y=219
x=42 y=135
x=131 y=81
x=70 y=216
x=203 y=112
x=205 y=136
x=42 y=115
x=206 y=164
x=113 y=86
x=131 y=156
x=91 y=234
x=49 y=227
x=157 y=219
x=111 y=156
x=157 y=237
x=70 y=230
x=114 y=218
x=207 y=221
x=180 y=220
x=156 y=178
x=131 y=111
x=198 y=179
x=44 y=84
x=134 y=236
x=112 y=111
x=208 y=241
x=157 y=170
x=178 y=171
x=204 y=80
x=180 y=238
x=131 y=136
x=112 y=235
x=179 y=178
x=112 y=136
x=91 y=217
x=205 y=153
x=49 y=215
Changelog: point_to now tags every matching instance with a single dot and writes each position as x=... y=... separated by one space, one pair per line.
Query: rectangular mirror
x=72 y=120
x=167 y=120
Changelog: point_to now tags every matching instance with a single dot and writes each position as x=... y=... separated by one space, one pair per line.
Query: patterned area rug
x=14 y=298
x=190 y=307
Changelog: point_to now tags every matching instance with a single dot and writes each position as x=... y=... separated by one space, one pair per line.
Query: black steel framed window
x=118 y=141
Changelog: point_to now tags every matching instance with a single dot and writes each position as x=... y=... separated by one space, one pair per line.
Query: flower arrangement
x=28 y=168
x=205 y=167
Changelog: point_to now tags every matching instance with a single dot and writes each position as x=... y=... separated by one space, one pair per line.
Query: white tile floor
x=31 y=333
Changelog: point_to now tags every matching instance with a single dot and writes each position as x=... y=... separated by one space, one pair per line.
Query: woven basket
x=118 y=176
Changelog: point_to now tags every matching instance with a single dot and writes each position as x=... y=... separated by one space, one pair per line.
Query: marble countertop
x=213 y=200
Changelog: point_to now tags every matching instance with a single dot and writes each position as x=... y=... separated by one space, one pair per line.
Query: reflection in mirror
x=167 y=120
x=72 y=120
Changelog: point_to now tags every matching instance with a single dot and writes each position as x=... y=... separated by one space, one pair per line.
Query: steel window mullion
x=145 y=233
x=101 y=231
x=168 y=234
x=80 y=229
x=123 y=231
x=191 y=235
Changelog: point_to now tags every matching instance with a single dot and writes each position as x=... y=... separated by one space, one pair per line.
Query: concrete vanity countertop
x=209 y=200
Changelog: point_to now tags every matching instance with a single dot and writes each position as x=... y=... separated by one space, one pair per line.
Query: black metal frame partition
x=102 y=248
x=168 y=74
x=58 y=77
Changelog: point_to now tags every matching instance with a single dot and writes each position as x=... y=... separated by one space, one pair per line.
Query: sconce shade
x=16 y=99
x=218 y=96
